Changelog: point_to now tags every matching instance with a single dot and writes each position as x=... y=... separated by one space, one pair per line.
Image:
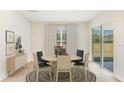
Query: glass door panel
x=107 y=29
x=108 y=46
x=97 y=45
x=108 y=49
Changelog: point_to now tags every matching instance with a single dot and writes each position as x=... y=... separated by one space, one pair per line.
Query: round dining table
x=53 y=58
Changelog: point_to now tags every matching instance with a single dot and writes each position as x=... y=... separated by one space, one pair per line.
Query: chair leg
x=85 y=74
x=70 y=75
x=37 y=75
x=34 y=68
x=73 y=75
x=56 y=76
x=87 y=67
x=50 y=74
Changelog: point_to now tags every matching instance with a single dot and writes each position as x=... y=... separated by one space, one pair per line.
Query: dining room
x=61 y=46
x=61 y=36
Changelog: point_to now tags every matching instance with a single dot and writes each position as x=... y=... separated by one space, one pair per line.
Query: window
x=61 y=37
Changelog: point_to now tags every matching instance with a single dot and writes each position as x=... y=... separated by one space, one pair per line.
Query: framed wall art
x=9 y=49
x=9 y=36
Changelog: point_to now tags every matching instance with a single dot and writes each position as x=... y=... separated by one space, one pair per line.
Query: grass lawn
x=108 y=51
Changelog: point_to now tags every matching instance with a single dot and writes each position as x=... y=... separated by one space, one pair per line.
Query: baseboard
x=118 y=77
x=3 y=78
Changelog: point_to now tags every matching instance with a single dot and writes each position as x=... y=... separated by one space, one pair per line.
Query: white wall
x=11 y=21
x=38 y=39
x=83 y=38
x=117 y=18
x=37 y=34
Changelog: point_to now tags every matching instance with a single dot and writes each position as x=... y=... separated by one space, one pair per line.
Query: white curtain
x=72 y=38
x=50 y=37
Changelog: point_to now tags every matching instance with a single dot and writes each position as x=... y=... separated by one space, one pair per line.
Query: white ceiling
x=59 y=15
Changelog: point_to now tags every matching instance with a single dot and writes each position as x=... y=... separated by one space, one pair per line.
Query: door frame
x=102 y=47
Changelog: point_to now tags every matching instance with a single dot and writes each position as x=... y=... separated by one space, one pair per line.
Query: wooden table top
x=53 y=58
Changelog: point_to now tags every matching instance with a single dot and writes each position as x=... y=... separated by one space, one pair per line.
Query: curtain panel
x=72 y=38
x=51 y=37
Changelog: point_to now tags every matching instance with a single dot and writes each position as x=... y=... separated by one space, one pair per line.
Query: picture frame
x=9 y=49
x=9 y=36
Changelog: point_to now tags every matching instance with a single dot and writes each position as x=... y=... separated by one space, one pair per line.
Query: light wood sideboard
x=16 y=62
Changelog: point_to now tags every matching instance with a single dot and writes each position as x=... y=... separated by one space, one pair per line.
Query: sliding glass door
x=108 y=46
x=102 y=46
x=97 y=45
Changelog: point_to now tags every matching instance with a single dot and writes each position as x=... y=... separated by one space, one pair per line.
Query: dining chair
x=79 y=53
x=39 y=55
x=85 y=63
x=63 y=65
x=41 y=67
x=63 y=51
x=40 y=60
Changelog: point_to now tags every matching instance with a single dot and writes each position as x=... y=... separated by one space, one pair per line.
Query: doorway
x=102 y=46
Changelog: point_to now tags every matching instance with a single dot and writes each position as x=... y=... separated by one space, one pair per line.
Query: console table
x=16 y=62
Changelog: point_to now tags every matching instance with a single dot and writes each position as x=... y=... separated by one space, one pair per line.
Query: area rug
x=79 y=75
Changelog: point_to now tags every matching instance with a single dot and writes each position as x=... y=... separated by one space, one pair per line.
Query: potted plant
x=57 y=50
x=18 y=46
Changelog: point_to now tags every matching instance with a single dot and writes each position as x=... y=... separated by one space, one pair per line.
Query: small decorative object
x=9 y=49
x=18 y=46
x=9 y=36
x=57 y=50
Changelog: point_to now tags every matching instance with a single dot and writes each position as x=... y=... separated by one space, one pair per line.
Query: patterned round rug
x=79 y=75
